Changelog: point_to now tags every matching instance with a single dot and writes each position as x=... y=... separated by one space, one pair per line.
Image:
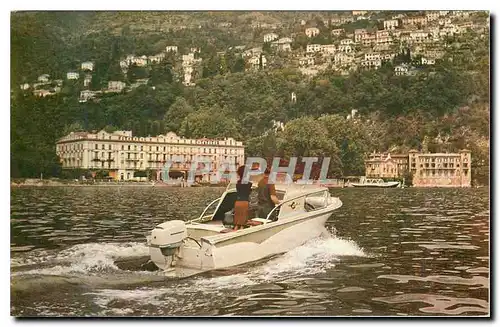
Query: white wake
x=313 y=258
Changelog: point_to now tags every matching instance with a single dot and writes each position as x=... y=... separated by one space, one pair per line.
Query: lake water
x=392 y=252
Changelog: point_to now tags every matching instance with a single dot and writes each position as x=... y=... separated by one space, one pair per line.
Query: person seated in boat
x=266 y=194
x=242 y=202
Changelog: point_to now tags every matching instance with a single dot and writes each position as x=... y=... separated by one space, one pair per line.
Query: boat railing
x=206 y=209
x=325 y=194
x=230 y=186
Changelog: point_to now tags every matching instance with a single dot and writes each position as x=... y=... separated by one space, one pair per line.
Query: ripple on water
x=479 y=270
x=367 y=265
x=330 y=277
x=412 y=251
x=439 y=304
x=443 y=279
x=361 y=311
x=351 y=289
x=444 y=245
x=21 y=248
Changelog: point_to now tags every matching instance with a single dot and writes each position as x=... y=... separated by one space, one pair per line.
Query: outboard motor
x=165 y=242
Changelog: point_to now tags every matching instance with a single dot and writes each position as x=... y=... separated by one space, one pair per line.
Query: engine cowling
x=168 y=236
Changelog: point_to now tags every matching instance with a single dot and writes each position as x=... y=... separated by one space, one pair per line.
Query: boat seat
x=251 y=222
x=212 y=226
x=262 y=220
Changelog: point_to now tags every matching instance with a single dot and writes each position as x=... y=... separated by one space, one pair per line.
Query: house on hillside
x=306 y=61
x=422 y=20
x=402 y=70
x=270 y=37
x=155 y=59
x=43 y=93
x=312 y=48
x=87 y=95
x=116 y=86
x=87 y=65
x=391 y=24
x=312 y=31
x=283 y=44
x=257 y=61
x=337 y=32
x=346 y=42
x=171 y=48
x=252 y=52
x=72 y=75
x=87 y=80
x=44 y=78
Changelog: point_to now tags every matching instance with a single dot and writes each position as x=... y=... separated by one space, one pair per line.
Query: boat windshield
x=296 y=197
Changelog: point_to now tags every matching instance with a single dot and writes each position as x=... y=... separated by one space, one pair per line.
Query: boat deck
x=218 y=227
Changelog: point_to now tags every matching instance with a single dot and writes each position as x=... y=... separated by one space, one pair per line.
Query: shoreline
x=55 y=183
x=113 y=185
x=157 y=185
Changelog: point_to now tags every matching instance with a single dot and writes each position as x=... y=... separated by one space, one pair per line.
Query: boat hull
x=385 y=185
x=251 y=245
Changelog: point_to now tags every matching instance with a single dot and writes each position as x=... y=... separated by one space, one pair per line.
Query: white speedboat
x=375 y=182
x=181 y=249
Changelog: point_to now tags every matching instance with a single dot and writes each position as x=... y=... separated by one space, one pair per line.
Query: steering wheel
x=275 y=214
x=308 y=206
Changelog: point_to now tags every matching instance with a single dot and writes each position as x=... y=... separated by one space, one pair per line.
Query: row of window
x=165 y=157
x=167 y=148
x=132 y=165
x=401 y=167
x=143 y=139
x=68 y=147
x=71 y=160
x=72 y=155
x=443 y=165
x=441 y=173
x=399 y=160
x=455 y=159
x=71 y=147
x=141 y=156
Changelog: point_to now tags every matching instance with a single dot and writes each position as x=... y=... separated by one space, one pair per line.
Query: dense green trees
x=308 y=137
x=176 y=114
x=352 y=140
x=161 y=73
x=34 y=131
x=212 y=122
x=136 y=72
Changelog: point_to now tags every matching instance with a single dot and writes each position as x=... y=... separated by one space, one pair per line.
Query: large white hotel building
x=122 y=154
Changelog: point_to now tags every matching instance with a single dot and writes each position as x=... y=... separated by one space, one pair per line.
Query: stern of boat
x=177 y=254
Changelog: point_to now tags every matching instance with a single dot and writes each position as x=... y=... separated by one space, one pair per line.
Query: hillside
x=441 y=107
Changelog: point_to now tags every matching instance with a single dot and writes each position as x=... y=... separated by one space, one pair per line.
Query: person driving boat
x=267 y=198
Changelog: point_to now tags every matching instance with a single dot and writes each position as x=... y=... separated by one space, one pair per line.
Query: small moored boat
x=375 y=182
x=182 y=249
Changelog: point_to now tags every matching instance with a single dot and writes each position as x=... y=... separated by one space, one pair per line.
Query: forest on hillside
x=445 y=108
